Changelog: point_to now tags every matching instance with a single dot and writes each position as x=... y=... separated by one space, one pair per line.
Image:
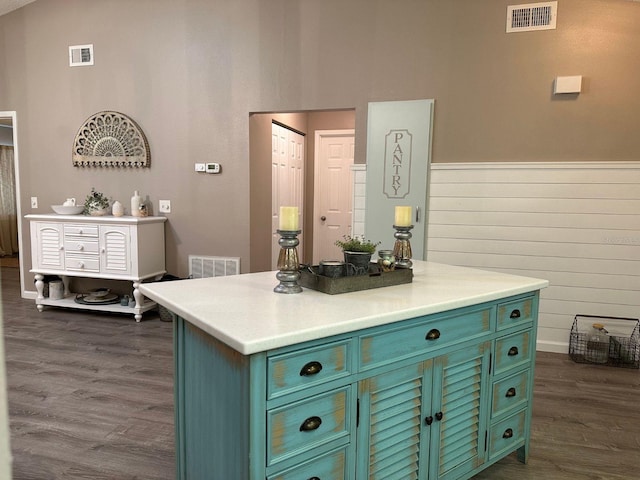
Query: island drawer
x=300 y=369
x=512 y=351
x=510 y=393
x=81 y=230
x=307 y=425
x=422 y=336
x=506 y=434
x=331 y=465
x=516 y=313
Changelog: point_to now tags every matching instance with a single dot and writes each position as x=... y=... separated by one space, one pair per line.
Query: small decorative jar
x=387 y=260
x=117 y=209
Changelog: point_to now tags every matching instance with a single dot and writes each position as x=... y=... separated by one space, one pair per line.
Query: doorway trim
x=16 y=166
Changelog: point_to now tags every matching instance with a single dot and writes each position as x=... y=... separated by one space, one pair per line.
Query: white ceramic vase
x=117 y=209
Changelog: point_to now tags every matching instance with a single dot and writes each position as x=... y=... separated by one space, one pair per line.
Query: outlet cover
x=164 y=206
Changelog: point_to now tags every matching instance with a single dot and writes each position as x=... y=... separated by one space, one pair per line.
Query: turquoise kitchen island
x=427 y=380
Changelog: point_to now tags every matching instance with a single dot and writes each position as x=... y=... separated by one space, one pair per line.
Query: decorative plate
x=110 y=139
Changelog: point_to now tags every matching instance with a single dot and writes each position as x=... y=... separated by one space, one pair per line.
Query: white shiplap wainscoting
x=576 y=224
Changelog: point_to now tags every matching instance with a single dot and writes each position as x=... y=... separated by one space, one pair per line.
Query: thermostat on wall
x=212 y=168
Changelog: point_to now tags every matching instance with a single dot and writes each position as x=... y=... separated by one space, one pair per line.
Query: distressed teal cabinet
x=438 y=396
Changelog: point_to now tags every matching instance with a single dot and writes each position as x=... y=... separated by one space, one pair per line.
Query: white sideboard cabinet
x=117 y=248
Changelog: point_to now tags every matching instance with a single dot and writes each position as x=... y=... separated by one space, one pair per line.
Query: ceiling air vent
x=80 y=55
x=531 y=16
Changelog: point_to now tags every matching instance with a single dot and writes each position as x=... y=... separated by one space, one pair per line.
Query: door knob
x=323 y=218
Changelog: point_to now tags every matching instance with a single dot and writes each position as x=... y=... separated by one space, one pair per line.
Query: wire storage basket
x=622 y=347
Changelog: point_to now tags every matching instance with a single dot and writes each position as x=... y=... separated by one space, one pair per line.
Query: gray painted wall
x=190 y=72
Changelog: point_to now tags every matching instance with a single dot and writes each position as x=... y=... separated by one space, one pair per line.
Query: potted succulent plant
x=357 y=252
x=96 y=203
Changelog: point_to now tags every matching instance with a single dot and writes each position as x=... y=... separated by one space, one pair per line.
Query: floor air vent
x=204 y=267
x=531 y=16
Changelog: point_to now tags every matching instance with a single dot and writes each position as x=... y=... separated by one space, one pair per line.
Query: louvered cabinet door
x=47 y=246
x=115 y=252
x=460 y=412
x=390 y=434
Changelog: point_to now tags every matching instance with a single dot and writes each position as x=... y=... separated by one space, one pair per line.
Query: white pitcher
x=70 y=202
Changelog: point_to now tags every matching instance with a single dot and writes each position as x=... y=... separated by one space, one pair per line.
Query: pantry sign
x=397 y=163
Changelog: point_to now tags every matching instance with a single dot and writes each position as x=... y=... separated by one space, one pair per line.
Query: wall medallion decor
x=110 y=139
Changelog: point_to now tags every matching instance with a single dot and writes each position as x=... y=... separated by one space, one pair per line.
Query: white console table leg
x=138 y=297
x=40 y=289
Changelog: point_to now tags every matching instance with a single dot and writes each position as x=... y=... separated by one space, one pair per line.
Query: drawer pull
x=428 y=420
x=439 y=416
x=508 y=433
x=515 y=314
x=513 y=351
x=314 y=478
x=511 y=393
x=311 y=423
x=80 y=247
x=311 y=368
x=433 y=334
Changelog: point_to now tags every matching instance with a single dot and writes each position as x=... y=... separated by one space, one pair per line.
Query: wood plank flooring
x=91 y=397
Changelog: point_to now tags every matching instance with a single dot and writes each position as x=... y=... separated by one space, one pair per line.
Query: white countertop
x=244 y=312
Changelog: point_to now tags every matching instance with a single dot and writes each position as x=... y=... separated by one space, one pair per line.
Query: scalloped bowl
x=68 y=209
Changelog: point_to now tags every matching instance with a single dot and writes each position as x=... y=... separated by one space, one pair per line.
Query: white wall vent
x=531 y=16
x=205 y=267
x=80 y=55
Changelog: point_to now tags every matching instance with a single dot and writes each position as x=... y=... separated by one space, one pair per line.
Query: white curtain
x=8 y=216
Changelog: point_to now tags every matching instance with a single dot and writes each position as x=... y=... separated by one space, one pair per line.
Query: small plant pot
x=357 y=262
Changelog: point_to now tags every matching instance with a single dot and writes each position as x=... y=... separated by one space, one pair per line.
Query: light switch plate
x=164 y=206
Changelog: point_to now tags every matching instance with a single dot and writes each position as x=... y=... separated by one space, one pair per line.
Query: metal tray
x=376 y=278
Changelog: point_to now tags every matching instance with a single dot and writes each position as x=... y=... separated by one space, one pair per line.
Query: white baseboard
x=553 y=347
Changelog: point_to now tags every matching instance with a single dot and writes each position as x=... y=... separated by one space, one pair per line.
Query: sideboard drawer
x=332 y=466
x=512 y=351
x=293 y=371
x=510 y=393
x=82 y=263
x=81 y=230
x=512 y=314
x=380 y=348
x=80 y=245
x=306 y=425
x=507 y=433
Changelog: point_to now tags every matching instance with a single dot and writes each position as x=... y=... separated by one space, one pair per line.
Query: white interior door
x=333 y=192
x=287 y=180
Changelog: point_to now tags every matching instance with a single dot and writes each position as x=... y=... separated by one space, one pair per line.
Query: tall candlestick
x=403 y=216
x=289 y=219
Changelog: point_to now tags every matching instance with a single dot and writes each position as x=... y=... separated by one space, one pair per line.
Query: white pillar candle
x=403 y=217
x=289 y=218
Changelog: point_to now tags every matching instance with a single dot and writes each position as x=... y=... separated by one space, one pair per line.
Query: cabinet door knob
x=515 y=314
x=311 y=423
x=513 y=351
x=508 y=433
x=323 y=218
x=433 y=334
x=311 y=368
x=511 y=393
x=439 y=416
x=428 y=420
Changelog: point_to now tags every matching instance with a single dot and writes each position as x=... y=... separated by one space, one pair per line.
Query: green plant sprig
x=357 y=244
